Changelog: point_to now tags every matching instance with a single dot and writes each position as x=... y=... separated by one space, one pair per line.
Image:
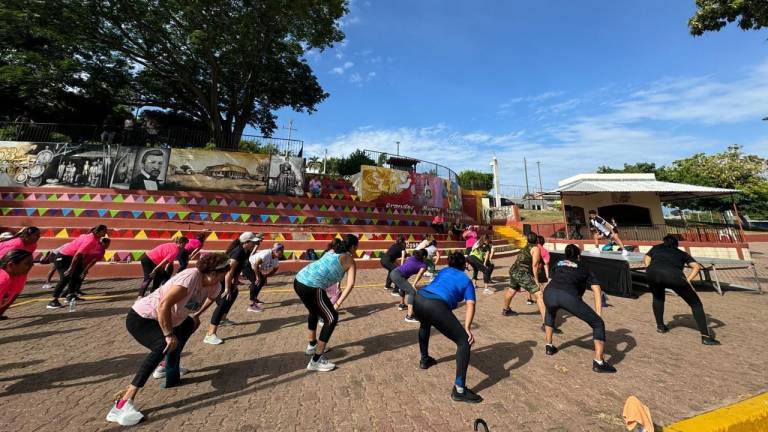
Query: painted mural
x=198 y=169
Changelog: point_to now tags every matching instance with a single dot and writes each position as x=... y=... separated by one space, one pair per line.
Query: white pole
x=496 y=182
x=325 y=159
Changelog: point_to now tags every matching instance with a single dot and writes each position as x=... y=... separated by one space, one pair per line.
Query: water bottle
x=72 y=305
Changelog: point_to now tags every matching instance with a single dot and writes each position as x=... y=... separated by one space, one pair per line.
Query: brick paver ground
x=59 y=370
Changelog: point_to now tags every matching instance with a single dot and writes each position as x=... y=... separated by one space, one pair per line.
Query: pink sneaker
x=254 y=308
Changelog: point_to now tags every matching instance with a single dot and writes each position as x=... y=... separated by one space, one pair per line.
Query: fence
x=421 y=167
x=143 y=136
x=691 y=233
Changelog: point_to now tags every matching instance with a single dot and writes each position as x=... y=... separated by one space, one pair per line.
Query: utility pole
x=525 y=168
x=398 y=147
x=325 y=160
x=290 y=129
x=496 y=192
x=541 y=188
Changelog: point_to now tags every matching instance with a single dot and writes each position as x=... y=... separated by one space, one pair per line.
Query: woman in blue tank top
x=310 y=285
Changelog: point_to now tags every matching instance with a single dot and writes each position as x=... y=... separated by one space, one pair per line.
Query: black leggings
x=148 y=333
x=432 y=312
x=389 y=265
x=660 y=278
x=556 y=299
x=223 y=305
x=256 y=287
x=318 y=304
x=71 y=282
x=160 y=276
x=183 y=259
x=477 y=265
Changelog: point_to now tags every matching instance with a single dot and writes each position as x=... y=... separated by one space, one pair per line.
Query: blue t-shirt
x=451 y=286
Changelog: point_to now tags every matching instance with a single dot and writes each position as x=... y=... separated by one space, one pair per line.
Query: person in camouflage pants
x=522 y=276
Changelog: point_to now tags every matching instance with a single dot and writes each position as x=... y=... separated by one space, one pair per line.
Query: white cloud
x=337 y=71
x=348 y=65
x=355 y=78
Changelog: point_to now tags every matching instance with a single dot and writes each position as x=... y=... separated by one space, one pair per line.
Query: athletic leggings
x=223 y=305
x=556 y=299
x=432 y=312
x=149 y=281
x=183 y=259
x=256 y=287
x=406 y=289
x=318 y=304
x=389 y=265
x=477 y=265
x=659 y=278
x=148 y=333
x=71 y=282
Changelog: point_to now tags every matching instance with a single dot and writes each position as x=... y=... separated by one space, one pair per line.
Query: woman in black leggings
x=564 y=291
x=392 y=259
x=664 y=263
x=434 y=306
x=238 y=252
x=163 y=322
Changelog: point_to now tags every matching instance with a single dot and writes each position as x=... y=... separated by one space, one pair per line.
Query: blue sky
x=571 y=84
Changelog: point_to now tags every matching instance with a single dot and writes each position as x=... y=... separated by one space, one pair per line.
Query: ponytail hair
x=98 y=228
x=201 y=237
x=457 y=260
x=400 y=239
x=235 y=243
x=344 y=244
x=670 y=241
x=532 y=238
x=572 y=252
x=25 y=232
x=14 y=256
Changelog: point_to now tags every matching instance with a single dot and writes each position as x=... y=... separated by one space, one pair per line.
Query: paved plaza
x=59 y=370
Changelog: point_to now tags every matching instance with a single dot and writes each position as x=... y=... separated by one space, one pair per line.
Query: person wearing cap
x=248 y=272
x=238 y=252
x=264 y=264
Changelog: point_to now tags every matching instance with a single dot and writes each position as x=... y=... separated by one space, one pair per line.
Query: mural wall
x=197 y=169
x=286 y=176
x=395 y=187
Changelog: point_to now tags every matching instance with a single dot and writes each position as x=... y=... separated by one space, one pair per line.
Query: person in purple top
x=434 y=306
x=413 y=265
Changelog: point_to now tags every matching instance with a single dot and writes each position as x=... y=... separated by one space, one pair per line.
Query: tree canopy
x=224 y=63
x=475 y=180
x=635 y=168
x=713 y=15
x=350 y=165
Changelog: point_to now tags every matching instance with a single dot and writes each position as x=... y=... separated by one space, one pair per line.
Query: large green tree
x=713 y=15
x=635 y=168
x=475 y=180
x=351 y=164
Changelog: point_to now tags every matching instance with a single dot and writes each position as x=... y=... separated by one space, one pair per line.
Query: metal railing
x=422 y=167
x=690 y=233
x=143 y=136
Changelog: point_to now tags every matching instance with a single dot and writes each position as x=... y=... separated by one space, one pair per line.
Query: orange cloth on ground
x=636 y=413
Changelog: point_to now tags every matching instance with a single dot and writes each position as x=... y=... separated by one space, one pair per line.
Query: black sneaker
x=508 y=312
x=709 y=340
x=550 y=349
x=468 y=396
x=602 y=368
x=427 y=363
x=662 y=329
x=402 y=307
x=54 y=304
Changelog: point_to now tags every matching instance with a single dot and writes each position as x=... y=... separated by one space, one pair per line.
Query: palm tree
x=314 y=163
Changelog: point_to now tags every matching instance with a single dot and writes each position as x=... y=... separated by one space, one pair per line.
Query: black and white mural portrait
x=286 y=176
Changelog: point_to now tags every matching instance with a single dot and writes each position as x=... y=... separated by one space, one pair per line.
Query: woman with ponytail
x=70 y=263
x=310 y=285
x=25 y=239
x=14 y=267
x=155 y=264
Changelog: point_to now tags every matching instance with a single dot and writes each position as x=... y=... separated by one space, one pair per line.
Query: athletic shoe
x=411 y=319
x=624 y=253
x=468 y=396
x=488 y=291
x=54 y=304
x=709 y=340
x=320 y=321
x=227 y=323
x=594 y=251
x=508 y=312
x=530 y=302
x=126 y=416
x=254 y=308
x=662 y=329
x=160 y=372
x=321 y=365
x=76 y=298
x=427 y=363
x=550 y=349
x=258 y=302
x=311 y=349
x=47 y=286
x=428 y=274
x=402 y=307
x=212 y=340
x=395 y=293
x=602 y=368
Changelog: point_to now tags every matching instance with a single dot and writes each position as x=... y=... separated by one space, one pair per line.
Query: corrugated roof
x=594 y=183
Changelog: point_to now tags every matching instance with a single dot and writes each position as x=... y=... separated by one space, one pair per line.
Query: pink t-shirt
x=544 y=254
x=192 y=280
x=97 y=255
x=192 y=245
x=86 y=244
x=471 y=238
x=16 y=243
x=10 y=285
x=166 y=251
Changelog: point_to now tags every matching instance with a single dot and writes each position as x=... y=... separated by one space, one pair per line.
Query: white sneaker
x=212 y=340
x=428 y=274
x=227 y=322
x=160 y=372
x=321 y=365
x=127 y=416
x=311 y=349
x=320 y=321
x=595 y=251
x=624 y=252
x=47 y=286
x=488 y=291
